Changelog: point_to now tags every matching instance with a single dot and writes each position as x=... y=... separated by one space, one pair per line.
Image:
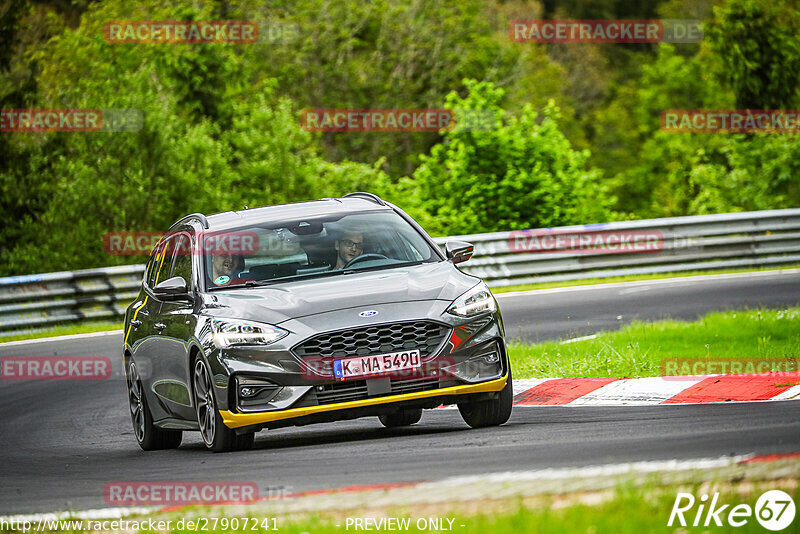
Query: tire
x=493 y=412
x=149 y=436
x=216 y=436
x=401 y=418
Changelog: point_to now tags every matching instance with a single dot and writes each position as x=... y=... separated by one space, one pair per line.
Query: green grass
x=66 y=330
x=638 y=349
x=632 y=278
x=629 y=511
x=625 y=509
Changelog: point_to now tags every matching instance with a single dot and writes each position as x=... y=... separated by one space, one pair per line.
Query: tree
x=521 y=173
x=758 y=42
x=215 y=136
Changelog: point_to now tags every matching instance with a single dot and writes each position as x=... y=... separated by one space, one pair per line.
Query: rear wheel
x=493 y=412
x=149 y=436
x=401 y=418
x=216 y=436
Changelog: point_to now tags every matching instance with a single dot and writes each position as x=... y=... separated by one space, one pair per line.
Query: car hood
x=292 y=300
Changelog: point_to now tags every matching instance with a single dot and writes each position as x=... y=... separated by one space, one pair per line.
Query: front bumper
x=310 y=393
x=239 y=420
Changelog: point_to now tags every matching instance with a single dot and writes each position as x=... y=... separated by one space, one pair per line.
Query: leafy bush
x=520 y=173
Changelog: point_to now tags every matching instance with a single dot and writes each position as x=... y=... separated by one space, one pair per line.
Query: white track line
x=61 y=338
x=97 y=513
x=655 y=281
x=574 y=339
x=636 y=392
x=525 y=384
x=590 y=471
x=789 y=394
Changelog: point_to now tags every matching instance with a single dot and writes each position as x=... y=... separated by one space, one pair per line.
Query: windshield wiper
x=380 y=267
x=261 y=283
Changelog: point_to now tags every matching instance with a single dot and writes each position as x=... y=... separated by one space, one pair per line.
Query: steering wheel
x=364 y=257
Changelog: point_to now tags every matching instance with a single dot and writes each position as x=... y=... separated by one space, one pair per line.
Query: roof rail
x=372 y=197
x=199 y=216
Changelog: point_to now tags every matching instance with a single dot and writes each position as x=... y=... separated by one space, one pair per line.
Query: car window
x=153 y=264
x=158 y=270
x=182 y=258
x=303 y=248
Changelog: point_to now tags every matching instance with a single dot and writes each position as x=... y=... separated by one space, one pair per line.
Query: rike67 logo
x=774 y=510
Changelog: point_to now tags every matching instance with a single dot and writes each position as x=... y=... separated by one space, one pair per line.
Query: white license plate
x=376 y=365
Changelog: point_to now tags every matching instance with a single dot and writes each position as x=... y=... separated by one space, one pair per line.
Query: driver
x=226 y=268
x=348 y=247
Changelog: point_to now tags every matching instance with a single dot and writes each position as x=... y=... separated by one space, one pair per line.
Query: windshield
x=311 y=247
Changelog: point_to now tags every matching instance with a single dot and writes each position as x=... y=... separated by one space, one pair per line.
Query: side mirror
x=458 y=251
x=172 y=289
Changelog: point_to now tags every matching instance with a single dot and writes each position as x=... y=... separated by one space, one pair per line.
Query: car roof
x=315 y=208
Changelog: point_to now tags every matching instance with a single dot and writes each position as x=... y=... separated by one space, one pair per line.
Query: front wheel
x=493 y=412
x=401 y=418
x=149 y=436
x=216 y=436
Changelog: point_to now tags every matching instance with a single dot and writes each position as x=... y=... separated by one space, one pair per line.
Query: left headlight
x=235 y=332
x=475 y=301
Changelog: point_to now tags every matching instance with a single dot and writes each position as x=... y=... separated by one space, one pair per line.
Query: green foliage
x=625 y=127
x=520 y=173
x=758 y=43
x=205 y=147
x=657 y=173
x=576 y=135
x=394 y=54
x=695 y=173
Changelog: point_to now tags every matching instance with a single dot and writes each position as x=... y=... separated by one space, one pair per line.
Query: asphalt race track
x=62 y=441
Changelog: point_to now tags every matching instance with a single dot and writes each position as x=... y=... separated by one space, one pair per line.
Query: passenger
x=348 y=247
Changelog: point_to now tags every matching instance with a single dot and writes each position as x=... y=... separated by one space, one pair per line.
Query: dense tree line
x=575 y=137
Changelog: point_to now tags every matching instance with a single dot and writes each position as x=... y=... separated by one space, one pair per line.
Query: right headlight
x=235 y=332
x=474 y=302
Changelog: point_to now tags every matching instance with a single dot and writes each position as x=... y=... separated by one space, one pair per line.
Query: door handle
x=160 y=327
x=136 y=323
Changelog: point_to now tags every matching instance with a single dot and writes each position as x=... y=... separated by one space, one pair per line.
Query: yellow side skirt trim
x=236 y=420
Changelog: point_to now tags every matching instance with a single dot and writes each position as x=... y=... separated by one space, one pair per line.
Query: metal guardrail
x=702 y=242
x=732 y=240
x=36 y=300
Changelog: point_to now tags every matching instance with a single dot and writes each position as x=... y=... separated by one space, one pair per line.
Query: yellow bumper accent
x=236 y=420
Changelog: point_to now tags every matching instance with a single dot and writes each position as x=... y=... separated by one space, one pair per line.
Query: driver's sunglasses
x=352 y=244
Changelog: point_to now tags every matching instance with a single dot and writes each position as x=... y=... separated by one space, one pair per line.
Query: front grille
x=357 y=389
x=380 y=339
x=414 y=384
x=342 y=392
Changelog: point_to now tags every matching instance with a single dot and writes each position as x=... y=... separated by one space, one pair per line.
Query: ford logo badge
x=368 y=313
